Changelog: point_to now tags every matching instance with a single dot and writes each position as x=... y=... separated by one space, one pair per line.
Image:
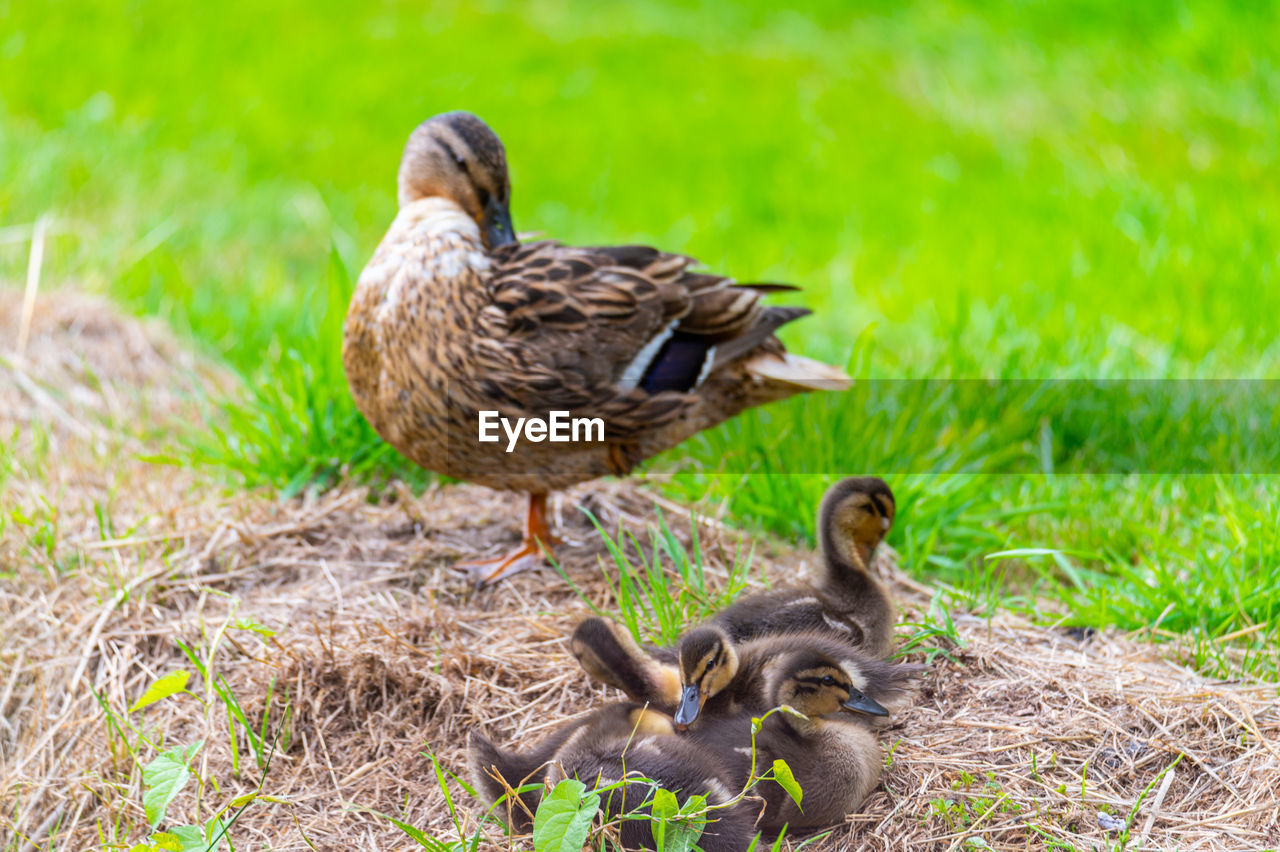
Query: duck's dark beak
x=860 y=703
x=690 y=705
x=495 y=225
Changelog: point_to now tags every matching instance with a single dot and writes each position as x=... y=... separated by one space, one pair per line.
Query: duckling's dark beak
x=860 y=703
x=690 y=705
x=495 y=225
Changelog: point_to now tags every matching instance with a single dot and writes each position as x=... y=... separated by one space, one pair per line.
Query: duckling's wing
x=623 y=332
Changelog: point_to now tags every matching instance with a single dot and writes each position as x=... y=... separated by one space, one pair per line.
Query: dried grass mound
x=338 y=626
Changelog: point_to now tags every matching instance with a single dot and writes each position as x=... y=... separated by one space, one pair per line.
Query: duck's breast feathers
x=623 y=322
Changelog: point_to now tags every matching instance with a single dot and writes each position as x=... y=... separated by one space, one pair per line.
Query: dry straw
x=1031 y=736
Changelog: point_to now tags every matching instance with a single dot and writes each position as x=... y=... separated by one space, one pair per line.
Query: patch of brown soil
x=342 y=610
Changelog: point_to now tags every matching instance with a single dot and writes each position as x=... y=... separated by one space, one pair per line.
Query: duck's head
x=456 y=156
x=707 y=664
x=818 y=685
x=855 y=516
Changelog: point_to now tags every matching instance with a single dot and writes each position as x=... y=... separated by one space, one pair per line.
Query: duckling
x=616 y=742
x=708 y=669
x=835 y=760
x=725 y=678
x=453 y=317
x=846 y=600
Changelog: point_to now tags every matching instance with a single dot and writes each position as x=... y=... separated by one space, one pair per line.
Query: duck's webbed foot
x=530 y=554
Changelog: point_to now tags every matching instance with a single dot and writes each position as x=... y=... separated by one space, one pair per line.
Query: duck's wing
x=629 y=333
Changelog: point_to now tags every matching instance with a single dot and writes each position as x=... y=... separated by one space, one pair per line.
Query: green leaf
x=683 y=836
x=663 y=808
x=786 y=780
x=664 y=804
x=192 y=838
x=564 y=818
x=694 y=805
x=166 y=840
x=162 y=689
x=676 y=828
x=252 y=624
x=164 y=778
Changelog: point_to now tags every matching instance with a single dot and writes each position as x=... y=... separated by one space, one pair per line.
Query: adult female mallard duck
x=453 y=317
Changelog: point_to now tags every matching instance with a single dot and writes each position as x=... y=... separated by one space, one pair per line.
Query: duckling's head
x=456 y=156
x=817 y=685
x=855 y=516
x=707 y=664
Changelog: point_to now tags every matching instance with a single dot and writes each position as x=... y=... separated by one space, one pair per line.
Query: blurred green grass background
x=999 y=190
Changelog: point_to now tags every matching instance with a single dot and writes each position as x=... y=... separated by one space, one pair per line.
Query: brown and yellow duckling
x=723 y=678
x=845 y=599
x=835 y=758
x=453 y=317
x=708 y=670
x=614 y=743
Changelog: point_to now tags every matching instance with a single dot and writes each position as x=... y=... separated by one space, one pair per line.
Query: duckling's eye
x=828 y=680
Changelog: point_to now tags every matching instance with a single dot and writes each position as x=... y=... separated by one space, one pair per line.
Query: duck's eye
x=462 y=163
x=828 y=680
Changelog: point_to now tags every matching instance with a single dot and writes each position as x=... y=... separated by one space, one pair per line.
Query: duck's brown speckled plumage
x=439 y=329
x=442 y=326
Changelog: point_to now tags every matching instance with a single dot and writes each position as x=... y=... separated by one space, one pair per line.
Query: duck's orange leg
x=537 y=536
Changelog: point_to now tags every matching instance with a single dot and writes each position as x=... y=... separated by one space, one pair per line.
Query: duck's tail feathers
x=791 y=369
x=772 y=319
x=483 y=759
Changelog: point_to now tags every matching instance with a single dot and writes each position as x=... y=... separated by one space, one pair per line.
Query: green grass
x=660 y=595
x=1016 y=190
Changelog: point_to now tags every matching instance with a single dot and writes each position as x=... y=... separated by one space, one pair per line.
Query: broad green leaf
x=677 y=828
x=164 y=777
x=162 y=689
x=192 y=838
x=664 y=805
x=683 y=836
x=564 y=818
x=783 y=775
x=166 y=840
x=694 y=805
x=662 y=809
